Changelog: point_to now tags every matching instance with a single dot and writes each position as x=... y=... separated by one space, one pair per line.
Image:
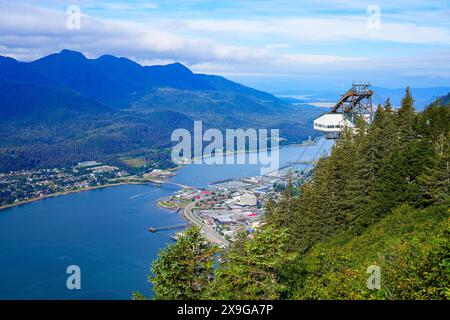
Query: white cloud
x=31 y=28
x=253 y=47
x=121 y=6
x=325 y=29
x=277 y=46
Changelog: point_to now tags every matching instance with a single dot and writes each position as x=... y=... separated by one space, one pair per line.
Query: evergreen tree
x=380 y=198
x=283 y=215
x=254 y=270
x=388 y=106
x=183 y=270
x=359 y=187
x=406 y=118
x=435 y=180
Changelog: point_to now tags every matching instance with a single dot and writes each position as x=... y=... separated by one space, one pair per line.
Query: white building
x=88 y=164
x=331 y=124
x=248 y=199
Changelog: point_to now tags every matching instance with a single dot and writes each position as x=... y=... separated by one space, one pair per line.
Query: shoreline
x=188 y=212
x=160 y=205
x=174 y=169
x=304 y=143
x=63 y=193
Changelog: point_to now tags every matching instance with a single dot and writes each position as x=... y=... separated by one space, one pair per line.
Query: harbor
x=225 y=207
x=106 y=230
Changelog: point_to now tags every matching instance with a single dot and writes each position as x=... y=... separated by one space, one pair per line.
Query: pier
x=160 y=182
x=221 y=181
x=177 y=226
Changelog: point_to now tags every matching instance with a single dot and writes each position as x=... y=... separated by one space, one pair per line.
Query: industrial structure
x=356 y=103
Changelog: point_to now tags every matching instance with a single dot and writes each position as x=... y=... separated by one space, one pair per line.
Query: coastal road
x=210 y=233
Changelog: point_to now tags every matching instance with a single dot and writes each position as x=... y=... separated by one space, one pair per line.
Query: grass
x=137 y=162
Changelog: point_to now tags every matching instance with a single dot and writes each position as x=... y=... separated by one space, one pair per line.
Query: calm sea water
x=103 y=231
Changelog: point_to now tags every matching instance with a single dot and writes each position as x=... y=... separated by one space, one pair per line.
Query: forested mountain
x=20 y=101
x=65 y=108
x=382 y=198
x=14 y=71
x=120 y=82
x=56 y=140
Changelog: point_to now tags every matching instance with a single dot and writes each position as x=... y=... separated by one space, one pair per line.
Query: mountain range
x=120 y=83
x=422 y=96
x=64 y=108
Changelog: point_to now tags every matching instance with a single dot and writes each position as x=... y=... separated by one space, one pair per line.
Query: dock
x=221 y=181
x=177 y=226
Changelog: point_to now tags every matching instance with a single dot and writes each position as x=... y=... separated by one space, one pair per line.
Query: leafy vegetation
x=381 y=199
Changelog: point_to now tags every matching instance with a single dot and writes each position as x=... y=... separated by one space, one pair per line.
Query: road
x=210 y=233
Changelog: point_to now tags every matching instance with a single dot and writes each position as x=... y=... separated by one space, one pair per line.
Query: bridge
x=169 y=183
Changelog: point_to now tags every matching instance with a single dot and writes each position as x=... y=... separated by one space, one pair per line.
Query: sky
x=277 y=46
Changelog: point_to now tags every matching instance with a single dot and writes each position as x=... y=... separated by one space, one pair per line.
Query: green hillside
x=382 y=198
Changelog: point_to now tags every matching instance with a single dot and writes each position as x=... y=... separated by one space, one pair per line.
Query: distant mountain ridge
x=422 y=96
x=120 y=82
x=65 y=108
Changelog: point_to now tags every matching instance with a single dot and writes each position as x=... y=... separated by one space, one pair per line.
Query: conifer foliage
x=183 y=270
x=381 y=198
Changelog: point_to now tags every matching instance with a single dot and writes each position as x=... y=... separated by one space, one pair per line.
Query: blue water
x=104 y=232
x=201 y=175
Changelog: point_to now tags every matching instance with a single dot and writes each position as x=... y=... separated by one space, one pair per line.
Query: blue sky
x=271 y=45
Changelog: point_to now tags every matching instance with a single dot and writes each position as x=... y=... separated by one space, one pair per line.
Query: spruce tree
x=183 y=270
x=255 y=270
x=406 y=118
x=388 y=106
